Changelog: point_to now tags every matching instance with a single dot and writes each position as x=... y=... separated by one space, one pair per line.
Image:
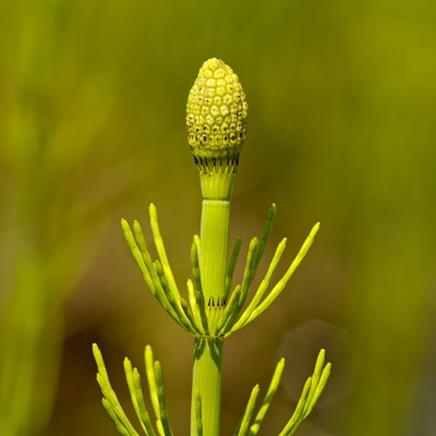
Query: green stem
x=206 y=384
x=208 y=352
x=213 y=247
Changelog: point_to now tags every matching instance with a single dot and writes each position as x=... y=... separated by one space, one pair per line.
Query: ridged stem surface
x=208 y=352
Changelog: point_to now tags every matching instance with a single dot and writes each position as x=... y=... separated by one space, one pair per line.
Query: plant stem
x=213 y=247
x=208 y=352
x=207 y=385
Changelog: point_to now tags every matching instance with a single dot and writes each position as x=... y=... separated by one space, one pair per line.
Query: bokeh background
x=342 y=129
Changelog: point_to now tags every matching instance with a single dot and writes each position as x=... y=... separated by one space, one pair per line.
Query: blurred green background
x=342 y=129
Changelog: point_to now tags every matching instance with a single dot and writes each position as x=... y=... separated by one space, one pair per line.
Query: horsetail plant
x=213 y=307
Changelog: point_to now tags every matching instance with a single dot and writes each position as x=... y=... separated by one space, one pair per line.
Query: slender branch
x=110 y=400
x=232 y=264
x=310 y=394
x=134 y=383
x=278 y=288
x=244 y=424
x=165 y=263
x=269 y=396
x=262 y=287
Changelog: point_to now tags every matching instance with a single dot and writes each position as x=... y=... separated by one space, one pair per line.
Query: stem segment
x=208 y=351
x=213 y=247
x=206 y=385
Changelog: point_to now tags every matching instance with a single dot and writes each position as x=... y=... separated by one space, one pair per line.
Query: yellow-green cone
x=216 y=113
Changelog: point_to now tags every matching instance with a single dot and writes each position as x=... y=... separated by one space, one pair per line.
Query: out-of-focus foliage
x=341 y=128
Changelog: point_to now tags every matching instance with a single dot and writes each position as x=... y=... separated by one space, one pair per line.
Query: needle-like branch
x=195 y=310
x=198 y=287
x=249 y=271
x=134 y=383
x=261 y=289
x=271 y=214
x=232 y=264
x=310 y=394
x=244 y=424
x=278 y=288
x=110 y=400
x=230 y=313
x=160 y=248
x=155 y=282
x=270 y=394
x=162 y=400
x=246 y=427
